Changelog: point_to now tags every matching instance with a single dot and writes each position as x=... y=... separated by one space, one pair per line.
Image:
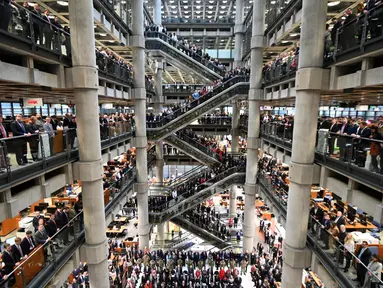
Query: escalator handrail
x=205 y=149
x=172 y=116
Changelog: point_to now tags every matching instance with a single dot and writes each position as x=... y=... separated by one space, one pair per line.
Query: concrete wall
x=367 y=204
x=55 y=183
x=337 y=186
x=23 y=200
x=12 y=72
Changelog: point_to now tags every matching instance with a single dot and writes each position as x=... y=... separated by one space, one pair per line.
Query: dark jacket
x=26 y=246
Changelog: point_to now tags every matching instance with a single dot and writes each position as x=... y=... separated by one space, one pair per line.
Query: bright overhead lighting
x=62 y=3
x=171 y=2
x=198 y=12
x=186 y=7
x=294 y=34
x=186 y=16
x=185 y=2
x=198 y=7
x=211 y=2
x=31 y=4
x=333 y=3
x=223 y=6
x=285 y=41
x=102 y=34
x=198 y=2
x=173 y=7
x=209 y=16
x=273 y=2
x=210 y=7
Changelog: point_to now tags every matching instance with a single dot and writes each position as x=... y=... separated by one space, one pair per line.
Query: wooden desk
x=115 y=231
x=8 y=225
x=120 y=219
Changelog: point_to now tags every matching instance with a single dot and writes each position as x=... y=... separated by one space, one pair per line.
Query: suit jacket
x=41 y=237
x=318 y=215
x=334 y=128
x=365 y=257
x=17 y=129
x=64 y=219
x=51 y=227
x=16 y=253
x=26 y=246
x=49 y=129
x=341 y=221
x=9 y=261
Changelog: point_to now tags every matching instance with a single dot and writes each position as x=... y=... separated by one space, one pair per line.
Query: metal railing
x=46 y=259
x=202 y=99
x=41 y=150
x=187 y=51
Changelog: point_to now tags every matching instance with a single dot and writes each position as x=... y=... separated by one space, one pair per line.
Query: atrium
x=191 y=143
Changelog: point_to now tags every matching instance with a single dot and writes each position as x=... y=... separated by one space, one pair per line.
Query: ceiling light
x=198 y=7
x=211 y=7
x=197 y=12
x=198 y=2
x=294 y=34
x=31 y=4
x=173 y=7
x=209 y=16
x=186 y=7
x=111 y=41
x=333 y=3
x=185 y=2
x=285 y=41
x=102 y=34
x=62 y=3
x=186 y=16
x=223 y=6
x=211 y=2
x=171 y=2
x=273 y=2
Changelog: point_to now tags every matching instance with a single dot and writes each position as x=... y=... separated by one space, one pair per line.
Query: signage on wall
x=267 y=108
x=33 y=102
x=361 y=107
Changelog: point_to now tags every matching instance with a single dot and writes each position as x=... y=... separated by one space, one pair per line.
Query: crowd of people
x=353 y=137
x=191 y=49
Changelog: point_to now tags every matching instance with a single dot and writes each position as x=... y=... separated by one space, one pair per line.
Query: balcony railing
x=187 y=51
x=327 y=248
x=46 y=259
x=45 y=150
x=351 y=154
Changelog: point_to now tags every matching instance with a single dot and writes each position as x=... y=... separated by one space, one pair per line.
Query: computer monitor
x=327 y=200
x=321 y=193
x=39 y=208
x=363 y=218
x=340 y=206
x=370 y=218
x=44 y=204
x=336 y=197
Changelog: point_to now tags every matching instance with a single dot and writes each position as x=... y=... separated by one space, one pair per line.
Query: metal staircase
x=159 y=45
x=192 y=148
x=201 y=192
x=233 y=88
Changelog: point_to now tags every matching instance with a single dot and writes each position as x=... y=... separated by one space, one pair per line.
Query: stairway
x=180 y=118
x=202 y=192
x=192 y=148
x=200 y=232
x=159 y=45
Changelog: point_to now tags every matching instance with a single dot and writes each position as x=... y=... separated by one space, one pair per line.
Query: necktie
x=31 y=243
x=21 y=251
x=3 y=132
x=22 y=126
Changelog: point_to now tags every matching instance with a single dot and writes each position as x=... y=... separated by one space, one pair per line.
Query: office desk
x=115 y=231
x=120 y=219
x=357 y=226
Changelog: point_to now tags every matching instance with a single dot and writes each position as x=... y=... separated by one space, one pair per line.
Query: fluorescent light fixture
x=285 y=41
x=294 y=34
x=273 y=2
x=333 y=3
x=62 y=3
x=102 y=34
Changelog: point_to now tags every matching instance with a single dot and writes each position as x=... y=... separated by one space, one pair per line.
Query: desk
x=357 y=226
x=121 y=219
x=115 y=231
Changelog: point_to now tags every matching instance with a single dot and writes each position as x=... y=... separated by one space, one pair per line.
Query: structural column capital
x=84 y=77
x=255 y=94
x=310 y=78
x=297 y=258
x=94 y=254
x=239 y=29
x=137 y=41
x=257 y=41
x=139 y=93
x=301 y=173
x=88 y=171
x=140 y=142
x=254 y=143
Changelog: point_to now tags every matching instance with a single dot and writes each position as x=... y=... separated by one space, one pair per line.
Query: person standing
x=18 y=129
x=48 y=128
x=364 y=256
x=349 y=247
x=5 y=14
x=374 y=272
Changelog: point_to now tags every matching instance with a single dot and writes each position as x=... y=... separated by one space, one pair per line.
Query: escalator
x=159 y=45
x=200 y=193
x=192 y=148
x=180 y=118
x=198 y=231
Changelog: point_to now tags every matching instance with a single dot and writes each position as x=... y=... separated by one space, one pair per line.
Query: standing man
x=5 y=14
x=364 y=256
x=3 y=156
x=48 y=128
x=18 y=129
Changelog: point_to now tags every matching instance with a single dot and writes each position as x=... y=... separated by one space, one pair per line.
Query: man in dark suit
x=317 y=213
x=340 y=219
x=364 y=256
x=36 y=220
x=17 y=251
x=52 y=227
x=342 y=140
x=18 y=129
x=334 y=128
x=62 y=220
x=326 y=224
x=8 y=259
x=28 y=243
x=41 y=237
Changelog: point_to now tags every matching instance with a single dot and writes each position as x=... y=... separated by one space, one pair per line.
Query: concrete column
x=160 y=162
x=308 y=86
x=234 y=128
x=160 y=232
x=351 y=186
x=158 y=102
x=89 y=168
x=324 y=174
x=233 y=201
x=238 y=33
x=157 y=12
x=253 y=142
x=139 y=96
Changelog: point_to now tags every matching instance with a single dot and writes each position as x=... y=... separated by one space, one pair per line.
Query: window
x=17 y=109
x=6 y=109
